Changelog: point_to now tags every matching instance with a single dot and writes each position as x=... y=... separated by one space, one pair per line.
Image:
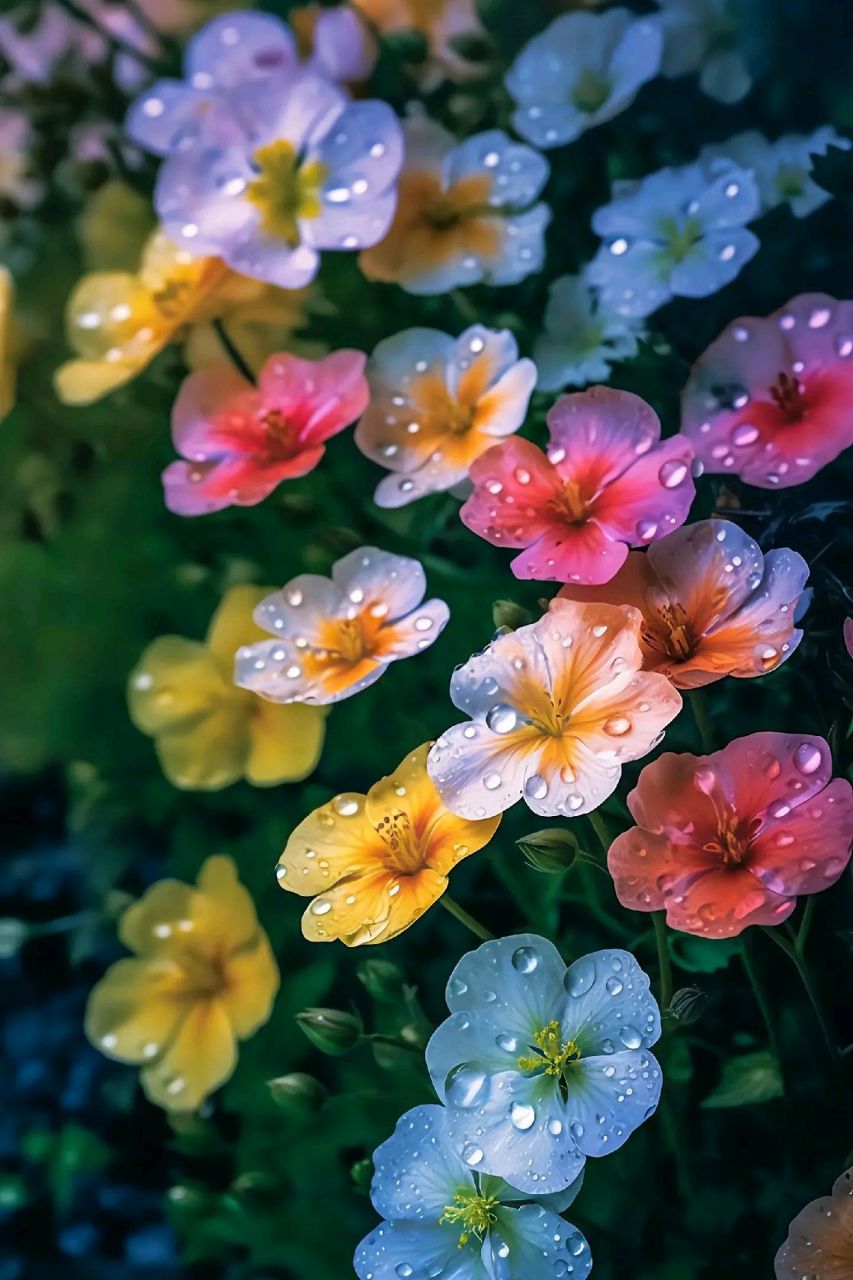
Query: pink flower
x=607 y=483
x=732 y=839
x=241 y=441
x=770 y=399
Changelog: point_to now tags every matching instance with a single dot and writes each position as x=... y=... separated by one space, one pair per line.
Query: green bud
x=383 y=980
x=297 y=1093
x=688 y=1005
x=330 y=1030
x=551 y=850
x=13 y=935
x=509 y=616
x=362 y=1174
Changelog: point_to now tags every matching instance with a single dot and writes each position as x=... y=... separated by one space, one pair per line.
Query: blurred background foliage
x=262 y=1185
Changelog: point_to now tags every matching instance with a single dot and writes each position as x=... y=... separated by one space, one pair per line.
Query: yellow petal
x=252 y=983
x=409 y=788
x=114 y=226
x=201 y=1057
x=335 y=841
x=161 y=919
x=81 y=382
x=134 y=1010
x=285 y=742
x=225 y=908
x=175 y=684
x=113 y=311
x=211 y=753
x=233 y=626
x=371 y=908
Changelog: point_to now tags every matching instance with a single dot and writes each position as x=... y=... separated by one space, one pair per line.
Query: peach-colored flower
x=556 y=708
x=820 y=1238
x=377 y=862
x=439 y=22
x=202 y=977
x=335 y=636
x=732 y=839
x=713 y=605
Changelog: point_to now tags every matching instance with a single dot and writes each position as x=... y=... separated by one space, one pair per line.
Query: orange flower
x=377 y=862
x=203 y=977
x=713 y=605
x=556 y=708
x=439 y=22
x=820 y=1239
x=207 y=732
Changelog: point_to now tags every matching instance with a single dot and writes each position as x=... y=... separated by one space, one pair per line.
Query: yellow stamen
x=474 y=1213
x=285 y=191
x=554 y=1054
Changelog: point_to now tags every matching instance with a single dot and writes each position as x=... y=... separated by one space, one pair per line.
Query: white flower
x=583 y=337
x=704 y=36
x=581 y=70
x=782 y=169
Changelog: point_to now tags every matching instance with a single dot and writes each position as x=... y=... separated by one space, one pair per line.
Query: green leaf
x=702 y=955
x=753 y=1078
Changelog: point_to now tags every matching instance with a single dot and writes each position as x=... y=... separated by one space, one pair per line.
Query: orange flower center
x=405 y=854
x=680 y=642
x=205 y=974
x=574 y=502
x=282 y=435
x=734 y=841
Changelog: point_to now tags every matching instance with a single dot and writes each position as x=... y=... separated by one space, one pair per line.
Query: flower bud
x=362 y=1174
x=330 y=1030
x=383 y=980
x=297 y=1093
x=509 y=616
x=551 y=850
x=688 y=1005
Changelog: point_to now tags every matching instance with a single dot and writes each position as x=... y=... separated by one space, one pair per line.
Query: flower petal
x=609 y=1005
x=609 y=1097
x=417 y=1171
x=426 y=1247
x=200 y=1057
x=535 y=1243
x=135 y=1008
x=285 y=742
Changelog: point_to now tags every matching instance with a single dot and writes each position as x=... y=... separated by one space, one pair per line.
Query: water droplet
x=630 y=1037
x=472 y=1154
x=345 y=806
x=576 y=1244
x=492 y=781
x=807 y=757
x=507 y=1042
x=744 y=434
x=580 y=976
x=466 y=1086
x=614 y=986
x=555 y=1128
x=522 y=1116
x=525 y=959
x=522 y=476
x=616 y=726
x=501 y=718
x=321 y=907
x=536 y=787
x=403 y=1270
x=672 y=473
x=646 y=529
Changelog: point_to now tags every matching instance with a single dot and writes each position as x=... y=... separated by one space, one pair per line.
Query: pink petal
x=766 y=775
x=515 y=492
x=651 y=497
x=809 y=850
x=215 y=414
x=761 y=634
x=666 y=801
x=638 y=860
x=320 y=397
x=583 y=553
x=723 y=902
x=598 y=434
x=194 y=488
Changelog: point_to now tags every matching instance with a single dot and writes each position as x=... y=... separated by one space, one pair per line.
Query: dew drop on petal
x=672 y=473
x=522 y=1116
x=807 y=757
x=525 y=959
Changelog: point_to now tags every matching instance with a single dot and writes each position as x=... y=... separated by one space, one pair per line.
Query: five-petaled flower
x=675 y=233
x=820 y=1239
x=241 y=441
x=202 y=977
x=437 y=403
x=287 y=167
x=444 y=1218
x=335 y=636
x=732 y=839
x=782 y=169
x=583 y=69
x=540 y=1065
x=769 y=400
x=607 y=482
x=377 y=862
x=582 y=336
x=208 y=733
x=556 y=708
x=466 y=213
x=441 y=23
x=713 y=605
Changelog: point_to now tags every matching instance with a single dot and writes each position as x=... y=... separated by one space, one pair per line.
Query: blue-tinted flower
x=541 y=1065
x=705 y=36
x=782 y=169
x=289 y=166
x=676 y=233
x=583 y=336
x=466 y=213
x=445 y=1218
x=581 y=70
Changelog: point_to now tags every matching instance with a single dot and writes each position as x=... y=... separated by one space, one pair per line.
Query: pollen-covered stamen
x=473 y=1212
x=286 y=190
x=789 y=394
x=552 y=1054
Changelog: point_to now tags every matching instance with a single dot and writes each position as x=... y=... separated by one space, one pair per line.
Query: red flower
x=820 y=1239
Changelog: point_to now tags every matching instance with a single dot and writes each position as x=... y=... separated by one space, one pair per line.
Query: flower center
x=205 y=974
x=680 y=237
x=473 y=1212
x=286 y=190
x=789 y=394
x=574 y=501
x=405 y=852
x=733 y=843
x=551 y=1053
x=282 y=435
x=590 y=91
x=680 y=642
x=468 y=198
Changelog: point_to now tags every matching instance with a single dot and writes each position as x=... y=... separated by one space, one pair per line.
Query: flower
x=18 y=188
x=241 y=441
x=233 y=51
x=732 y=839
x=676 y=233
x=285 y=167
x=541 y=1066
x=820 y=1239
x=583 y=337
x=377 y=862
x=465 y=213
x=118 y=321
x=335 y=636
x=202 y=977
x=607 y=481
x=445 y=1218
x=436 y=403
x=713 y=605
x=769 y=400
x=583 y=69
x=7 y=362
x=705 y=36
x=207 y=733
x=441 y=23
x=337 y=42
x=556 y=707
x=782 y=168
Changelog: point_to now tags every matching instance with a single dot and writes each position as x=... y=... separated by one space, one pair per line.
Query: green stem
x=451 y=905
x=464 y=306
x=703 y=720
x=760 y=998
x=232 y=351
x=805 y=924
x=376 y=1037
x=801 y=965
x=664 y=962
x=599 y=826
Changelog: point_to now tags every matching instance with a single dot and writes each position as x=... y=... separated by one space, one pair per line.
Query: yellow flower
x=7 y=364
x=377 y=862
x=118 y=321
x=259 y=327
x=207 y=732
x=203 y=977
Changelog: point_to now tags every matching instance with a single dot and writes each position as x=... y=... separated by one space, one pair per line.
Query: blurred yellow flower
x=378 y=862
x=203 y=977
x=114 y=226
x=7 y=364
x=207 y=732
x=118 y=321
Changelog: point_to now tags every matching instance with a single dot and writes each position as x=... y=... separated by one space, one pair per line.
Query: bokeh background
x=95 y=1182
